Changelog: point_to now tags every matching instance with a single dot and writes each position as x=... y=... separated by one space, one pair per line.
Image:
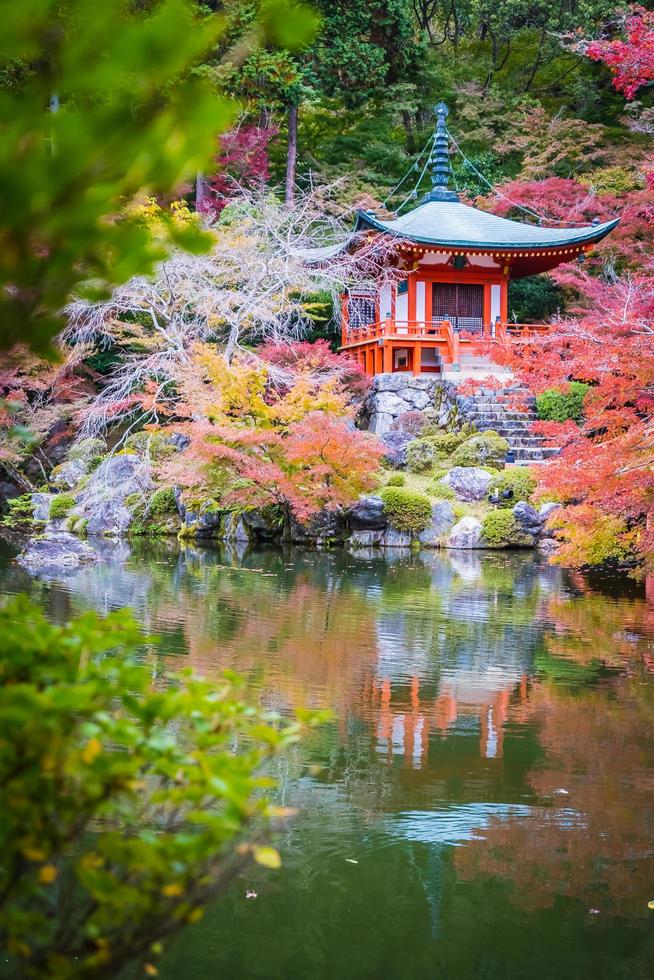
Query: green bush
x=61 y=505
x=396 y=480
x=445 y=443
x=481 y=450
x=125 y=807
x=534 y=299
x=162 y=502
x=518 y=479
x=556 y=405
x=442 y=492
x=499 y=528
x=21 y=511
x=420 y=455
x=405 y=509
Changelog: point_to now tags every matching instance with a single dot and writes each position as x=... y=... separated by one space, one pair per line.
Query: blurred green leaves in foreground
x=128 y=802
x=101 y=103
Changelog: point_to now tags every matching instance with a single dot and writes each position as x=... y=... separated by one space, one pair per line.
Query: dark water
x=481 y=807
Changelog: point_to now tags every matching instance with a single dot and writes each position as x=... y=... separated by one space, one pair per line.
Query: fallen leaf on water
x=268 y=857
x=351 y=861
x=250 y=894
x=650 y=905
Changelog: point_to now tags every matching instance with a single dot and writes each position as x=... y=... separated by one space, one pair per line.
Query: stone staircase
x=492 y=408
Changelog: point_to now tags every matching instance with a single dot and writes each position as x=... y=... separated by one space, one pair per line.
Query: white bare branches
x=257 y=284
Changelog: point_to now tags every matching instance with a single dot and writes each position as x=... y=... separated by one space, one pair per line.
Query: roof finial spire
x=439 y=162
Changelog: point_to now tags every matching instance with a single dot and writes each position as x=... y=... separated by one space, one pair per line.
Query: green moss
x=420 y=455
x=61 y=505
x=556 y=405
x=442 y=492
x=519 y=480
x=500 y=529
x=163 y=502
x=396 y=480
x=89 y=451
x=481 y=450
x=445 y=443
x=77 y=525
x=460 y=510
x=155 y=443
x=405 y=509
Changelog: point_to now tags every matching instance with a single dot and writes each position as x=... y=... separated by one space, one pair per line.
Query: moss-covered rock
x=420 y=455
x=512 y=485
x=501 y=529
x=405 y=509
x=61 y=505
x=482 y=450
x=156 y=517
x=441 y=491
x=396 y=480
x=446 y=443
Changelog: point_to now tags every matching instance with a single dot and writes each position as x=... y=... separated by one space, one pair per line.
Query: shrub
x=61 y=505
x=446 y=443
x=519 y=480
x=162 y=502
x=396 y=480
x=442 y=492
x=499 y=528
x=21 y=511
x=556 y=405
x=118 y=786
x=87 y=450
x=405 y=509
x=420 y=455
x=481 y=450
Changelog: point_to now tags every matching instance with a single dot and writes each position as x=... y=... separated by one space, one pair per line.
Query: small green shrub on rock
x=396 y=480
x=88 y=451
x=482 y=450
x=446 y=443
x=405 y=509
x=155 y=444
x=500 y=529
x=163 y=502
x=519 y=480
x=556 y=405
x=61 y=505
x=420 y=455
x=442 y=492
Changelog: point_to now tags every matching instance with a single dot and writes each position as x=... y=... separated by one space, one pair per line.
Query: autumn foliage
x=630 y=58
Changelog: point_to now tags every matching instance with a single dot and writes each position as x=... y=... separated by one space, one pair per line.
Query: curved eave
x=586 y=236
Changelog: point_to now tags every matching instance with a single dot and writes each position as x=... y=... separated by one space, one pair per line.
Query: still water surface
x=481 y=807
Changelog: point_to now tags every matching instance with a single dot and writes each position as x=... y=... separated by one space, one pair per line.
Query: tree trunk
x=199 y=191
x=291 y=154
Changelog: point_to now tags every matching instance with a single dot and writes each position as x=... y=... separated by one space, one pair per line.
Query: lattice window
x=361 y=309
x=460 y=303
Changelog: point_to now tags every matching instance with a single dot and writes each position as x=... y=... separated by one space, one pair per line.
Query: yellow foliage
x=91 y=750
x=172 y=891
x=47 y=874
x=268 y=857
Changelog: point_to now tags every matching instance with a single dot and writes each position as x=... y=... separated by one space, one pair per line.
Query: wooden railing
x=438 y=330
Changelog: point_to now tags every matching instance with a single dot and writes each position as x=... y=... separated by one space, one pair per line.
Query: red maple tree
x=630 y=58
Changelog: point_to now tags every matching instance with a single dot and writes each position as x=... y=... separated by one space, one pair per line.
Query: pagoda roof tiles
x=451 y=224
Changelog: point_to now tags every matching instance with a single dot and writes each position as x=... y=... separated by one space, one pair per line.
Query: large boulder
x=325 y=527
x=367 y=514
x=468 y=482
x=264 y=523
x=41 y=505
x=102 y=504
x=528 y=519
x=442 y=520
x=392 y=538
x=67 y=475
x=465 y=534
x=205 y=522
x=395 y=443
x=56 y=552
x=234 y=530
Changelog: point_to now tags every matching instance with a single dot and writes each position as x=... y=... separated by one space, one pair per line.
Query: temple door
x=460 y=303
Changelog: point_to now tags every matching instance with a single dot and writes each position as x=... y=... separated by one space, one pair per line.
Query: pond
x=480 y=806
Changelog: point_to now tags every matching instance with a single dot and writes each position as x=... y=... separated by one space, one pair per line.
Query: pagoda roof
x=451 y=224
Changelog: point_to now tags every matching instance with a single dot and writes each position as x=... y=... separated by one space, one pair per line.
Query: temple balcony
x=428 y=347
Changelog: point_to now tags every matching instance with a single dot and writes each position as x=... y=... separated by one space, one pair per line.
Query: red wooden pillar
x=417 y=358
